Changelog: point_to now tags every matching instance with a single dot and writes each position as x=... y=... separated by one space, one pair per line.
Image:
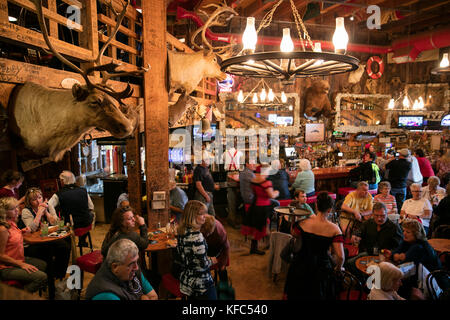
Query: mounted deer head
x=50 y=122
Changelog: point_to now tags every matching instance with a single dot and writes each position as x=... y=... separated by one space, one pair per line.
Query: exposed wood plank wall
x=155 y=106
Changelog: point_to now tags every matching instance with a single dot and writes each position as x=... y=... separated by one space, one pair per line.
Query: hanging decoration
x=370 y=72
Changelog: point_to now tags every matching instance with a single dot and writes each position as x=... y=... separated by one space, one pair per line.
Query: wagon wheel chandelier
x=288 y=64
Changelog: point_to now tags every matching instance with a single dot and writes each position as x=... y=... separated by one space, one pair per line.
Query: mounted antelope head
x=188 y=69
x=51 y=121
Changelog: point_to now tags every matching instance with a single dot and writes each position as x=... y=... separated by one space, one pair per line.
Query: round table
x=36 y=237
x=292 y=212
x=363 y=262
x=440 y=245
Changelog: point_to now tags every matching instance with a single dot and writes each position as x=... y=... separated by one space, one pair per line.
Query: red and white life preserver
x=380 y=62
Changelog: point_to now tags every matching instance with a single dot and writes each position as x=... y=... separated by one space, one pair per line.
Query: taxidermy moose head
x=50 y=122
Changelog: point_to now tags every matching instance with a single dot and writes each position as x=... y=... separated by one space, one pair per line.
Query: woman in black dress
x=310 y=274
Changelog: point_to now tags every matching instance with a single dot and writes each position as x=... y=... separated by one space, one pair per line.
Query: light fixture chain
x=299 y=20
x=268 y=17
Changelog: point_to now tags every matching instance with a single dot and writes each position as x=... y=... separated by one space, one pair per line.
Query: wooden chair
x=350 y=287
x=442 y=278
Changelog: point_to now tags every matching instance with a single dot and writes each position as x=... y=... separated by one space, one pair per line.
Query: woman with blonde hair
x=13 y=263
x=390 y=282
x=305 y=178
x=36 y=210
x=195 y=277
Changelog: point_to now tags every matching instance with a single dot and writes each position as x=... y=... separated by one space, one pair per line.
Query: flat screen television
x=410 y=122
x=290 y=152
x=206 y=136
x=176 y=155
x=445 y=122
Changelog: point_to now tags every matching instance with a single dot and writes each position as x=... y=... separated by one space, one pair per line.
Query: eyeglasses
x=379 y=215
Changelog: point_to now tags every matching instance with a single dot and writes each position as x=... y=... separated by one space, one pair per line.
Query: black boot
x=254 y=248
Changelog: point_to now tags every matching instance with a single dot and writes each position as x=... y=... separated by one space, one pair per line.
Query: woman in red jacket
x=424 y=164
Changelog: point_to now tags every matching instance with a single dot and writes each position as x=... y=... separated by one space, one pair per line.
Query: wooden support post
x=89 y=38
x=53 y=24
x=4 y=11
x=156 y=112
x=134 y=172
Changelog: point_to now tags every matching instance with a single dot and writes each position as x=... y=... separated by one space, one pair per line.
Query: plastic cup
x=44 y=229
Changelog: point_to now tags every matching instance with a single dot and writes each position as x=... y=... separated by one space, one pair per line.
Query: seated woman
x=433 y=192
x=280 y=180
x=13 y=180
x=390 y=282
x=310 y=274
x=123 y=223
x=217 y=241
x=305 y=178
x=417 y=207
x=384 y=196
x=55 y=253
x=415 y=248
x=13 y=263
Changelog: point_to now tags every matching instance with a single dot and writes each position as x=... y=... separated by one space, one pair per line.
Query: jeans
x=198 y=196
x=210 y=294
x=400 y=196
x=32 y=281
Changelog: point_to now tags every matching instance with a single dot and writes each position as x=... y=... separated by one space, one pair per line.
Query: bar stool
x=343 y=192
x=172 y=285
x=373 y=192
x=89 y=262
x=285 y=202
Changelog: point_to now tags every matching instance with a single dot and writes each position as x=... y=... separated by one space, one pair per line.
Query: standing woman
x=424 y=165
x=123 y=223
x=310 y=274
x=13 y=263
x=195 y=277
x=13 y=180
x=255 y=220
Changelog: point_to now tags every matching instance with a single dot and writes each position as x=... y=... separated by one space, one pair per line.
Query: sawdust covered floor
x=248 y=273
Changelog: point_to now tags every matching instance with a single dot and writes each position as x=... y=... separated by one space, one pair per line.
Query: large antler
x=213 y=21
x=107 y=70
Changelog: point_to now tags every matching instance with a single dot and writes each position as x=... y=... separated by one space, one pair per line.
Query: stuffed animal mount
x=316 y=101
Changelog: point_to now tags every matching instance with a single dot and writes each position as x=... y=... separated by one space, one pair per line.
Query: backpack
x=375 y=174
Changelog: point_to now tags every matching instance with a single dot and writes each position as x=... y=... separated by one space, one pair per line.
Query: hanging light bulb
x=444 y=62
x=318 y=48
x=406 y=102
x=421 y=103
x=340 y=37
x=271 y=96
x=283 y=97
x=263 y=95
x=415 y=105
x=240 y=96
x=391 y=104
x=290 y=107
x=286 y=43
x=255 y=98
x=249 y=37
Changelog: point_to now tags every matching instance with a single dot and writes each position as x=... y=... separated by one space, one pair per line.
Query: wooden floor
x=248 y=273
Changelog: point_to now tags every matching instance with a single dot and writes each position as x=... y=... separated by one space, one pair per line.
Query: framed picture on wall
x=314 y=132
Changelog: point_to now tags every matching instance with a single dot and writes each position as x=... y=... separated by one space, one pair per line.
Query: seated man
x=300 y=203
x=357 y=204
x=119 y=277
x=376 y=234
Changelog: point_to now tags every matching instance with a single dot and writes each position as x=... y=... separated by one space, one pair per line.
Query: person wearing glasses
x=417 y=207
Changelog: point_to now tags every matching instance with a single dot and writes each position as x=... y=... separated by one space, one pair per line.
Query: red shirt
x=425 y=167
x=4 y=192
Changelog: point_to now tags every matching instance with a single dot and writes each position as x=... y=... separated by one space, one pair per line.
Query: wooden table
x=163 y=243
x=36 y=237
x=440 y=245
x=363 y=262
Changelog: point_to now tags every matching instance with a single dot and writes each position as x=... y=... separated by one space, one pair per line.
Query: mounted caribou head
x=51 y=121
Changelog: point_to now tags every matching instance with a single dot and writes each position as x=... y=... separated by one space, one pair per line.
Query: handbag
x=291 y=249
x=225 y=290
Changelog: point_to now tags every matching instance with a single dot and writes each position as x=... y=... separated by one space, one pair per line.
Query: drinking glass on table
x=44 y=229
x=60 y=224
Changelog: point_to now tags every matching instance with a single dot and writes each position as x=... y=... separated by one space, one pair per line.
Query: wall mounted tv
x=410 y=122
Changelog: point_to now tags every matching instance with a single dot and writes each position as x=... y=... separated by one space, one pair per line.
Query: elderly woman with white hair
x=305 y=178
x=390 y=282
x=433 y=192
x=417 y=207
